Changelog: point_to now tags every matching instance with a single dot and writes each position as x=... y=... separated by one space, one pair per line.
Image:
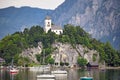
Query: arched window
x=48 y=24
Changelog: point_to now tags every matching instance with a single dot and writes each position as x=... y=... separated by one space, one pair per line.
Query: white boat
x=59 y=72
x=45 y=77
x=86 y=78
x=46 y=68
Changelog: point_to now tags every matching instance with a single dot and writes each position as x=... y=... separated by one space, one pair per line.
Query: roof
x=54 y=27
x=93 y=63
x=48 y=17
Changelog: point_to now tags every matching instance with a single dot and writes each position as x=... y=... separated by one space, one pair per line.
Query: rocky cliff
x=31 y=53
x=101 y=18
x=64 y=53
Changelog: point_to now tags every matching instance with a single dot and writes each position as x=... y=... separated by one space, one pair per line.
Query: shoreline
x=112 y=67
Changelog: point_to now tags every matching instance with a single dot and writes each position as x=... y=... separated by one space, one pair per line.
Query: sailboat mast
x=43 y=57
x=12 y=62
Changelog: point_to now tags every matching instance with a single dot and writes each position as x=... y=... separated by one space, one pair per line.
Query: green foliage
x=23 y=61
x=51 y=61
x=112 y=58
x=81 y=62
x=13 y=45
x=94 y=57
x=66 y=64
x=61 y=64
x=38 y=57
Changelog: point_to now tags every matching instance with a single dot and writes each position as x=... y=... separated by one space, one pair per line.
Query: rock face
x=101 y=18
x=31 y=52
x=66 y=53
x=63 y=53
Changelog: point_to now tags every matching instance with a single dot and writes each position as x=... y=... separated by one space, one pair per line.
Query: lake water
x=73 y=74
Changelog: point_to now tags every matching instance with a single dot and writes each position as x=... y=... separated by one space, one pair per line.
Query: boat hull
x=45 y=77
x=59 y=72
x=86 y=78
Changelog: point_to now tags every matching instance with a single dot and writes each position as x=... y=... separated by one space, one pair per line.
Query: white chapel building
x=48 y=25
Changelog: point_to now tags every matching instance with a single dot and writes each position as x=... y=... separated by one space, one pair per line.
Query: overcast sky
x=45 y=4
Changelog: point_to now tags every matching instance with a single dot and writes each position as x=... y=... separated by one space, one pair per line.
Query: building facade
x=48 y=26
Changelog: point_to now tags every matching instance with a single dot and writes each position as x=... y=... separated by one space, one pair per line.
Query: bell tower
x=47 y=24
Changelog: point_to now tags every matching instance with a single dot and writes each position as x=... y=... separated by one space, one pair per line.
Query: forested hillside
x=11 y=46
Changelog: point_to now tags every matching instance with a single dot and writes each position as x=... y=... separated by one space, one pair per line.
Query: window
x=60 y=32
x=48 y=24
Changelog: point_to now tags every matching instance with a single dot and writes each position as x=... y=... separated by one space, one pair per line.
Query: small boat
x=46 y=77
x=13 y=70
x=59 y=72
x=46 y=68
x=86 y=78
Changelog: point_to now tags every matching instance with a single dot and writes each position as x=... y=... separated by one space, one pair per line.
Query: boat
x=13 y=69
x=59 y=72
x=45 y=77
x=46 y=68
x=86 y=78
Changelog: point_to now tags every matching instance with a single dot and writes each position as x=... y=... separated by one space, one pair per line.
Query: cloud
x=45 y=4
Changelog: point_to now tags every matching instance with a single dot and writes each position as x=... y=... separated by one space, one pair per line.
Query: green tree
x=51 y=61
x=81 y=62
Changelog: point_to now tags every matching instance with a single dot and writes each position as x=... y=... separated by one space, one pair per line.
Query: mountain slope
x=16 y=19
x=101 y=18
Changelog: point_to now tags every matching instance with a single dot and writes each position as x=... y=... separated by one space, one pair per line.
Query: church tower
x=47 y=24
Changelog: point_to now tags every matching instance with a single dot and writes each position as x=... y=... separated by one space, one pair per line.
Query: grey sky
x=45 y=4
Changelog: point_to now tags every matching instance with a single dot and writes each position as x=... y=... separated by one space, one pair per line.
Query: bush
x=81 y=62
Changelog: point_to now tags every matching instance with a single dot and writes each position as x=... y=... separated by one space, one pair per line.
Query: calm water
x=72 y=75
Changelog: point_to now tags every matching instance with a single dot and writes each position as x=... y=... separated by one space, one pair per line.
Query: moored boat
x=13 y=70
x=45 y=77
x=86 y=78
x=59 y=72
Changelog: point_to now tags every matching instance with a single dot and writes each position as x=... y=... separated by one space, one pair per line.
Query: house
x=92 y=65
x=48 y=26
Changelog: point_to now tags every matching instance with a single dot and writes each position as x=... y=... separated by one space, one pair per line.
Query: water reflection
x=12 y=75
x=3 y=75
x=73 y=74
x=61 y=76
